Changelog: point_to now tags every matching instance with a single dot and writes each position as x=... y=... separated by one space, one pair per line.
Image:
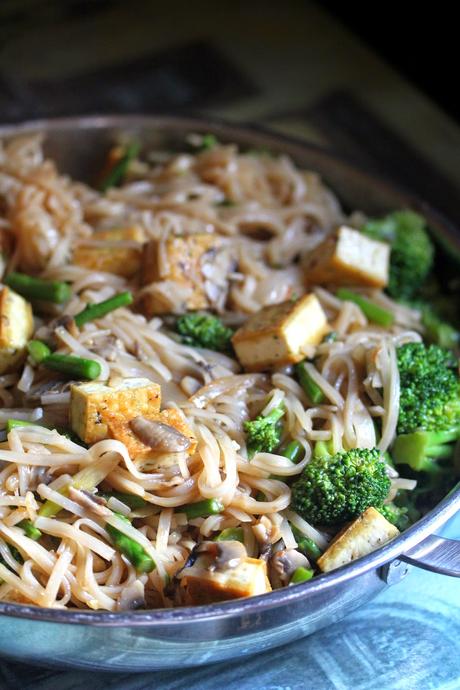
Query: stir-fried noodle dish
x=214 y=380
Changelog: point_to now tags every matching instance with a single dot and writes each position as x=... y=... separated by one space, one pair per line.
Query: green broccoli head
x=397 y=515
x=335 y=489
x=430 y=389
x=204 y=330
x=437 y=330
x=412 y=250
x=264 y=433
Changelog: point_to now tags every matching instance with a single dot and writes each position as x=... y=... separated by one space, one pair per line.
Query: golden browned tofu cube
x=175 y=266
x=16 y=328
x=89 y=401
x=119 y=429
x=365 y=534
x=204 y=586
x=116 y=251
x=348 y=258
x=277 y=335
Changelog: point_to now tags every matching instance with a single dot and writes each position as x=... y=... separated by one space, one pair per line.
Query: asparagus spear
x=301 y=575
x=130 y=500
x=72 y=366
x=30 y=530
x=311 y=388
x=18 y=423
x=231 y=534
x=38 y=351
x=39 y=289
x=118 y=171
x=294 y=451
x=134 y=552
x=306 y=545
x=373 y=311
x=97 y=311
x=209 y=506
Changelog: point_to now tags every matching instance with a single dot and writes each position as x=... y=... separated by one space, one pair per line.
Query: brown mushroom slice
x=160 y=437
x=284 y=563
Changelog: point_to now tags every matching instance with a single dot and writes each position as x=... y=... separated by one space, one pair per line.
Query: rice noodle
x=265 y=216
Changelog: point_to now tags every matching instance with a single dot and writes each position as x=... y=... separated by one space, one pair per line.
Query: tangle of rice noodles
x=277 y=214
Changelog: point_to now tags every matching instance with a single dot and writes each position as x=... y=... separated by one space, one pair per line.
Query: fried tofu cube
x=277 y=334
x=176 y=264
x=348 y=258
x=130 y=398
x=116 y=251
x=16 y=328
x=119 y=429
x=203 y=586
x=365 y=534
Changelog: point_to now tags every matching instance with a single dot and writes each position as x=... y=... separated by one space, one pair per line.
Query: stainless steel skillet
x=147 y=640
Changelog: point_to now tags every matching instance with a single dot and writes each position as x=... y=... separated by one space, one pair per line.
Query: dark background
x=286 y=64
x=419 y=39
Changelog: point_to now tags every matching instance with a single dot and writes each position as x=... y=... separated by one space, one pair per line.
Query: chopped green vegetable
x=397 y=515
x=335 y=489
x=438 y=331
x=209 y=141
x=412 y=250
x=311 y=388
x=39 y=289
x=330 y=337
x=209 y=506
x=264 y=433
x=231 y=534
x=430 y=389
x=97 y=311
x=72 y=366
x=372 y=311
x=294 y=451
x=301 y=575
x=18 y=423
x=421 y=449
x=38 y=351
x=119 y=170
x=86 y=479
x=134 y=552
x=323 y=449
x=306 y=545
x=30 y=530
x=204 y=330
x=131 y=500
x=15 y=554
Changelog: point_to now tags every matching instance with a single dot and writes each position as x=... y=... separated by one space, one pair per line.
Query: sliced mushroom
x=47 y=332
x=284 y=563
x=224 y=554
x=35 y=393
x=160 y=437
x=132 y=597
x=89 y=501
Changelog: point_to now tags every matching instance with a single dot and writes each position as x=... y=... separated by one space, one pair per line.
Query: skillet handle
x=437 y=554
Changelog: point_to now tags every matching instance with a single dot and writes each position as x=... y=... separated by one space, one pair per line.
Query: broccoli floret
x=438 y=331
x=397 y=515
x=421 y=449
x=430 y=389
x=412 y=250
x=264 y=433
x=335 y=489
x=204 y=330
